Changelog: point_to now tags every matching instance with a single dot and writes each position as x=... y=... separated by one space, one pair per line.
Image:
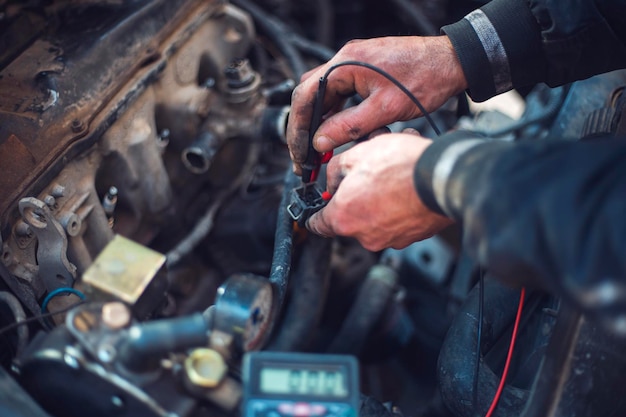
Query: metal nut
x=115 y=315
x=205 y=368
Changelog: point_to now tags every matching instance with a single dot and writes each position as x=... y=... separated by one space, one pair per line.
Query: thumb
x=319 y=225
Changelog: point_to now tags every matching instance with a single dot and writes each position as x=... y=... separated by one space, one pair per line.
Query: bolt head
x=50 y=201
x=239 y=74
x=115 y=315
x=205 y=368
x=77 y=126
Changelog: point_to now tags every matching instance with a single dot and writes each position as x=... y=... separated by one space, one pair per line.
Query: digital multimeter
x=284 y=384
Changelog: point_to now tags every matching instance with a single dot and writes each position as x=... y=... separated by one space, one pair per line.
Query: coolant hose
x=283 y=243
x=146 y=343
x=372 y=299
x=309 y=284
x=457 y=358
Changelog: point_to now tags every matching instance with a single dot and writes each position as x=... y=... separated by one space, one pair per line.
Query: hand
x=374 y=199
x=427 y=66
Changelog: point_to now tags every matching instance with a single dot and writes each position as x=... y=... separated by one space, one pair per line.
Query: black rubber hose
x=309 y=285
x=19 y=315
x=457 y=357
x=14 y=401
x=373 y=297
x=549 y=384
x=146 y=343
x=416 y=17
x=283 y=243
x=311 y=48
x=274 y=29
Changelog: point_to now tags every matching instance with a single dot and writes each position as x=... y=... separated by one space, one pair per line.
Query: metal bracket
x=55 y=269
x=243 y=309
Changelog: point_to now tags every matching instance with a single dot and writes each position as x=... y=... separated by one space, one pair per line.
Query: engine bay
x=147 y=252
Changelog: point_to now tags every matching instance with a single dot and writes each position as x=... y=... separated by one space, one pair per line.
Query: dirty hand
x=374 y=199
x=427 y=66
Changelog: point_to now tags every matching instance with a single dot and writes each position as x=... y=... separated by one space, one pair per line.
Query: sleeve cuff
x=435 y=166
x=499 y=47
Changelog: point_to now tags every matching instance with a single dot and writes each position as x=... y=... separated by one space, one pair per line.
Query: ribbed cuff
x=499 y=47
x=473 y=59
x=425 y=170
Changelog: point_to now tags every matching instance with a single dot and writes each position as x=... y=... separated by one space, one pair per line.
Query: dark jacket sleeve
x=516 y=43
x=550 y=214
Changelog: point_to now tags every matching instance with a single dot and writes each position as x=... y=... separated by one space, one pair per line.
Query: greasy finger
x=319 y=224
x=302 y=104
x=335 y=173
x=299 y=120
x=351 y=124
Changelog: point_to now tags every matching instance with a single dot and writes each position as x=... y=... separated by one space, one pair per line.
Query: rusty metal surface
x=84 y=109
x=123 y=270
x=61 y=92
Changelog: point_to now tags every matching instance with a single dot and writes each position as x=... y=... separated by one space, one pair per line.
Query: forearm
x=549 y=214
x=515 y=43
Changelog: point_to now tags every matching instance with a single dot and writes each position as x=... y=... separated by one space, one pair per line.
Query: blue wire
x=59 y=291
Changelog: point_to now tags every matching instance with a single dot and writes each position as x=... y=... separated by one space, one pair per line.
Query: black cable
x=325 y=21
x=38 y=317
x=18 y=315
x=390 y=78
x=500 y=308
x=479 y=336
x=311 y=48
x=415 y=16
x=551 y=108
x=275 y=30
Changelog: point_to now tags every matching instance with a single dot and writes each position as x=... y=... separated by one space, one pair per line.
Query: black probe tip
x=306 y=175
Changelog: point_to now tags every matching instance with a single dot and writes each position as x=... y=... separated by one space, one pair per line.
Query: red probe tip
x=326 y=196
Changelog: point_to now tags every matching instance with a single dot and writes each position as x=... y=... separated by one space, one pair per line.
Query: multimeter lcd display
x=301 y=381
x=291 y=384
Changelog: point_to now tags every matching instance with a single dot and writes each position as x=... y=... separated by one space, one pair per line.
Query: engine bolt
x=49 y=200
x=239 y=74
x=57 y=191
x=106 y=353
x=77 y=126
x=115 y=315
x=110 y=201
